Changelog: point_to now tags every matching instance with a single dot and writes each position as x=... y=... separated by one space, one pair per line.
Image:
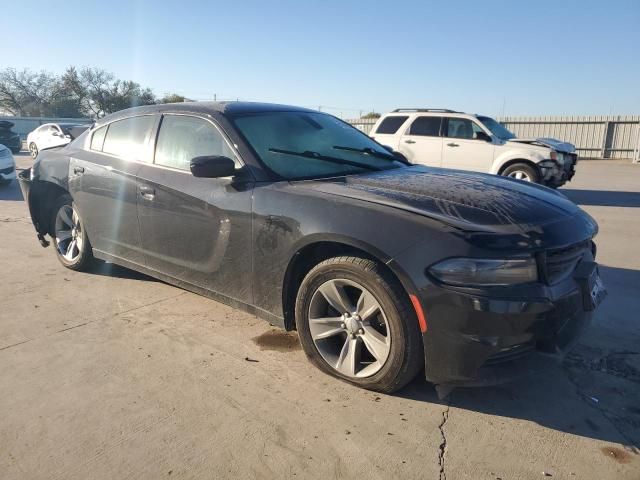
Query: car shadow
x=603 y=198
x=11 y=192
x=553 y=400
x=112 y=270
x=594 y=391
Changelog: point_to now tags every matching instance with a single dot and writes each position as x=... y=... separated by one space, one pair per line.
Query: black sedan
x=9 y=138
x=382 y=267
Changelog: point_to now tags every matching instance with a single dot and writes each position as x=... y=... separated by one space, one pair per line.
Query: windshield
x=496 y=128
x=297 y=145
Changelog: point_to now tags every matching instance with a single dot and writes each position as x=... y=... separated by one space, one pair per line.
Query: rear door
x=196 y=229
x=103 y=185
x=387 y=132
x=462 y=150
x=421 y=142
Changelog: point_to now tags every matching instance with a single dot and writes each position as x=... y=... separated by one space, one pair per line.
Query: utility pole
x=215 y=97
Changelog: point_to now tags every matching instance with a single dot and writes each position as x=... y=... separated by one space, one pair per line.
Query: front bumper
x=473 y=340
x=554 y=174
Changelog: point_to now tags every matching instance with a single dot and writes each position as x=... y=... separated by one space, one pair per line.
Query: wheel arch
x=317 y=249
x=513 y=161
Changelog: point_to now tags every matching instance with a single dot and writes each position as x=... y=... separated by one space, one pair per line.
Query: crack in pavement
x=442 y=449
x=133 y=309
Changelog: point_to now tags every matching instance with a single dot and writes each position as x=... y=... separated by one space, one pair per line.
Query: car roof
x=439 y=112
x=210 y=108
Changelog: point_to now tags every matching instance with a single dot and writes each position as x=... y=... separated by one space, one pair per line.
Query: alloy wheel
x=68 y=232
x=349 y=328
x=33 y=150
x=520 y=175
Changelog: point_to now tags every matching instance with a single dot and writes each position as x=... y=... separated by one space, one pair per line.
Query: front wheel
x=355 y=322
x=522 y=171
x=69 y=236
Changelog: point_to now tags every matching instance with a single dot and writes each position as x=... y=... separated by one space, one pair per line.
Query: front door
x=421 y=143
x=102 y=181
x=197 y=230
x=461 y=148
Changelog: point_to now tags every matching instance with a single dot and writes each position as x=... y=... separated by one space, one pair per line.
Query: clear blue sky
x=528 y=57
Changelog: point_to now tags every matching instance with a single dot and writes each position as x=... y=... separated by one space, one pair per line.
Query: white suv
x=448 y=139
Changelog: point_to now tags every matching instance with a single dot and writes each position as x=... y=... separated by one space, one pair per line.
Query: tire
x=522 y=171
x=391 y=331
x=67 y=227
x=33 y=150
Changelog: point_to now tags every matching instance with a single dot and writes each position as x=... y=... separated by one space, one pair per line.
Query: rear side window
x=182 y=138
x=127 y=138
x=426 y=127
x=390 y=125
x=97 y=139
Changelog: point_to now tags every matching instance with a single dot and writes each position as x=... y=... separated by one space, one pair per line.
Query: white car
x=7 y=166
x=449 y=139
x=50 y=135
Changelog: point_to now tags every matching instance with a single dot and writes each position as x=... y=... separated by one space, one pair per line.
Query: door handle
x=78 y=170
x=452 y=144
x=409 y=141
x=147 y=192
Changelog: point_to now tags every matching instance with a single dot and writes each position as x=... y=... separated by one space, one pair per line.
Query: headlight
x=557 y=156
x=485 y=272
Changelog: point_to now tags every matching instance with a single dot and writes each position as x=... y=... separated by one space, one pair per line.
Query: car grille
x=6 y=170
x=559 y=263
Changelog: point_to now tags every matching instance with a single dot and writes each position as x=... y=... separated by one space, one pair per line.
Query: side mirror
x=483 y=136
x=212 y=166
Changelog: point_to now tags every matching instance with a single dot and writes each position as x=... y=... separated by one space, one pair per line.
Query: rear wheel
x=69 y=236
x=522 y=171
x=33 y=150
x=355 y=323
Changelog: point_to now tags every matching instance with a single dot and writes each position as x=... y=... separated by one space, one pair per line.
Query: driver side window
x=183 y=138
x=462 y=128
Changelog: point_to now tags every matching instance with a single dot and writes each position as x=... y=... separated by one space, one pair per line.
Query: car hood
x=478 y=202
x=557 y=145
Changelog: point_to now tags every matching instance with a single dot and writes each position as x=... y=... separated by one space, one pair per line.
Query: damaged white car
x=449 y=139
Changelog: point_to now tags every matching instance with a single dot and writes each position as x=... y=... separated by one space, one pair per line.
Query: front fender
x=517 y=154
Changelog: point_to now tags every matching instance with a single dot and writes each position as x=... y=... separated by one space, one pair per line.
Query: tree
x=89 y=92
x=173 y=98
x=371 y=115
x=29 y=93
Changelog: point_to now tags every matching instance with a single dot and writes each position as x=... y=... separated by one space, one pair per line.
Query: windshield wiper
x=368 y=151
x=319 y=156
